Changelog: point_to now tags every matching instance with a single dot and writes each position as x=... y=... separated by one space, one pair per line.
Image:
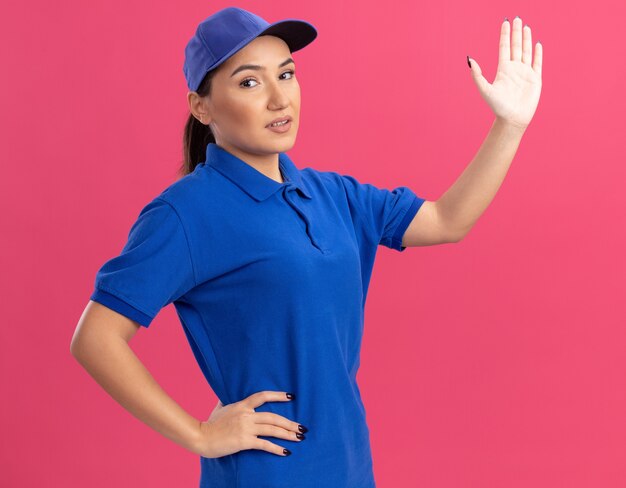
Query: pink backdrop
x=499 y=361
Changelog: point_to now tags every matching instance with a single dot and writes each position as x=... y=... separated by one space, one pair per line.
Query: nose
x=278 y=97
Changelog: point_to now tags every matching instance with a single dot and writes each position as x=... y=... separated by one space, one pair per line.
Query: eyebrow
x=257 y=67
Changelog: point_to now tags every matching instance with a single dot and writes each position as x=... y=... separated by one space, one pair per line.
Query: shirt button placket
x=287 y=192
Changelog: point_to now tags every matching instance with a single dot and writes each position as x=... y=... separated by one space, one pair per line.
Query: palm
x=514 y=94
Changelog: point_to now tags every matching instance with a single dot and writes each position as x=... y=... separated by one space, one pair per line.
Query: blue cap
x=227 y=31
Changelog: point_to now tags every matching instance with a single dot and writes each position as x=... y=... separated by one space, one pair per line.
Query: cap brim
x=296 y=33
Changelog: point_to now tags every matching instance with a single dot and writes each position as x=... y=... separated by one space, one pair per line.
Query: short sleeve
x=153 y=269
x=385 y=213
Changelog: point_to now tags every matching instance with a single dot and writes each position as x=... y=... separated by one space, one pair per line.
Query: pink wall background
x=499 y=361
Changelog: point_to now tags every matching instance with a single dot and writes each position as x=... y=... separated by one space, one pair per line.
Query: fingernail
x=291 y=396
x=506 y=19
x=300 y=436
x=286 y=452
x=468 y=63
x=302 y=428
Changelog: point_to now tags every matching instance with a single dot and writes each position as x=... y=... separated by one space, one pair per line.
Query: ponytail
x=197 y=135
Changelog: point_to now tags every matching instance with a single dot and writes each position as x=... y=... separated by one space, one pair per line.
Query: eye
x=246 y=80
x=291 y=72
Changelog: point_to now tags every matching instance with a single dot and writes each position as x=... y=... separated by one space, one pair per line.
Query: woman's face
x=241 y=105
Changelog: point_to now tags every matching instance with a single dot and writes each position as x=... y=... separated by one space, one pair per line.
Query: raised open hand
x=514 y=94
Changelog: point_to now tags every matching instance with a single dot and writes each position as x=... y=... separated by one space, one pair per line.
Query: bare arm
x=513 y=98
x=450 y=218
x=100 y=345
x=466 y=200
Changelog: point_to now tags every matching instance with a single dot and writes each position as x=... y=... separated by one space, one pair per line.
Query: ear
x=198 y=107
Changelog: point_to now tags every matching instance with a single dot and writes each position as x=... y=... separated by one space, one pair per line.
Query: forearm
x=114 y=365
x=465 y=201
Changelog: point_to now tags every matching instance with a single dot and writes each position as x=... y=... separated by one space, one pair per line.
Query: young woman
x=268 y=262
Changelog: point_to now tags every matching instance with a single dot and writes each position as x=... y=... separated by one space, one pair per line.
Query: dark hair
x=197 y=135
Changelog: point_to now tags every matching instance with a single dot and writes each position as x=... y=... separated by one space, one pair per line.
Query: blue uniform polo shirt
x=269 y=281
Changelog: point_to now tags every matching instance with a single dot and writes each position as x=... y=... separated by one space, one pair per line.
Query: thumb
x=477 y=74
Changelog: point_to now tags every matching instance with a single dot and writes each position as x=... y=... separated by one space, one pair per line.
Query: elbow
x=99 y=326
x=448 y=230
x=77 y=344
x=457 y=234
x=76 y=348
x=83 y=342
x=74 y=345
x=457 y=237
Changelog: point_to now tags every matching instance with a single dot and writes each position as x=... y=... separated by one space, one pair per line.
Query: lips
x=281 y=119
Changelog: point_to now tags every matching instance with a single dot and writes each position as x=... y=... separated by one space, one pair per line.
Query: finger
x=505 y=48
x=278 y=420
x=265 y=445
x=538 y=62
x=259 y=398
x=516 y=42
x=268 y=430
x=479 y=79
x=527 y=46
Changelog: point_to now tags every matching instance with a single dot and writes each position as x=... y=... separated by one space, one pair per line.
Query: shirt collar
x=250 y=180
